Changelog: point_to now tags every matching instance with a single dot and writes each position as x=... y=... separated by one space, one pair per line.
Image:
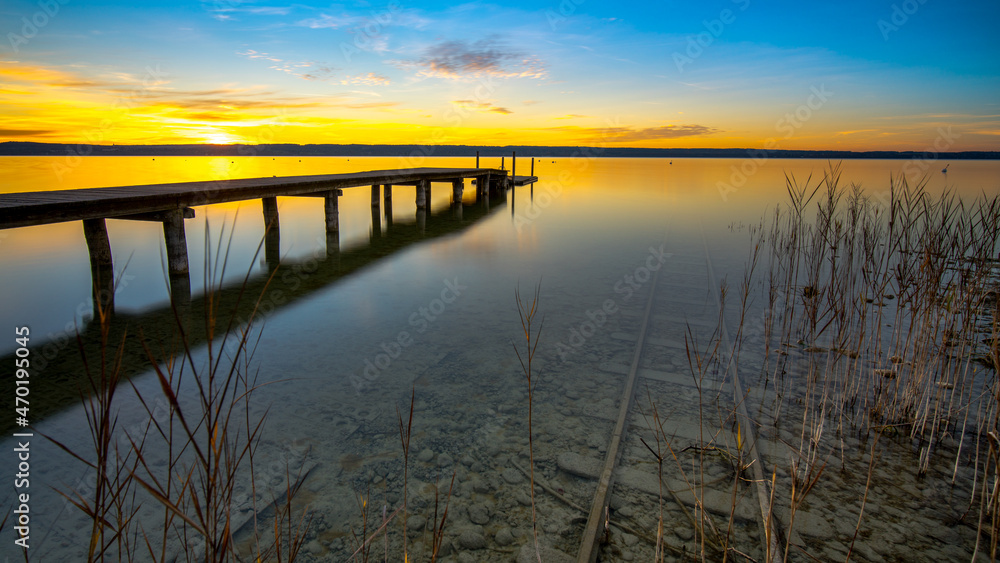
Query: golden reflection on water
x=577 y=203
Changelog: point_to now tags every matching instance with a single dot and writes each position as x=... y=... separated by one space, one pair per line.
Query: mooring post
x=422 y=188
x=457 y=188
x=512 y=205
x=477 y=159
x=374 y=195
x=513 y=168
x=501 y=163
x=102 y=272
x=532 y=166
x=421 y=220
x=272 y=232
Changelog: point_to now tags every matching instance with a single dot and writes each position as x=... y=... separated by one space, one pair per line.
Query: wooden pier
x=260 y=293
x=171 y=203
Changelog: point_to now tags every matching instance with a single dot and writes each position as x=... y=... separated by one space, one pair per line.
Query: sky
x=849 y=75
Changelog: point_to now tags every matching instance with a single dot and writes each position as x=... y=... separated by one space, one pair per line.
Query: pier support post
x=387 y=193
x=532 y=166
x=173 y=233
x=376 y=222
x=421 y=220
x=102 y=272
x=457 y=189
x=423 y=195
x=477 y=159
x=177 y=258
x=482 y=185
x=272 y=233
x=375 y=195
x=332 y=212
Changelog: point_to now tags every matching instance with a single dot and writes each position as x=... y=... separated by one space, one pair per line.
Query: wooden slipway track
x=658 y=313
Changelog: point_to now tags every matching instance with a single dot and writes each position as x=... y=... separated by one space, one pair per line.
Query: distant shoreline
x=16 y=148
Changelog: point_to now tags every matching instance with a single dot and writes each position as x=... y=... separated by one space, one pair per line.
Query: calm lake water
x=426 y=303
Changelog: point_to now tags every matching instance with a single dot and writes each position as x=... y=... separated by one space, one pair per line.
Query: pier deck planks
x=39 y=208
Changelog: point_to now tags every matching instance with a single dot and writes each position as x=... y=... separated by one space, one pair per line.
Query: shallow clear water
x=428 y=304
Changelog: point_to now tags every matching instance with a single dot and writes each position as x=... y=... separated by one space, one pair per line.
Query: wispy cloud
x=488 y=107
x=252 y=54
x=25 y=132
x=487 y=57
x=390 y=16
x=229 y=10
x=306 y=70
x=632 y=134
x=370 y=79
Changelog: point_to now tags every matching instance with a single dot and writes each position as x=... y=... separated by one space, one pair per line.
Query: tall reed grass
x=191 y=462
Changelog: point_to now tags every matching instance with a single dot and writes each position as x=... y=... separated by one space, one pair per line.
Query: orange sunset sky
x=736 y=73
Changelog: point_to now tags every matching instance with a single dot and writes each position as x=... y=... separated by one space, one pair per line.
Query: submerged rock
x=579 y=465
x=472 y=538
x=549 y=555
x=479 y=513
x=416 y=523
x=512 y=476
x=504 y=537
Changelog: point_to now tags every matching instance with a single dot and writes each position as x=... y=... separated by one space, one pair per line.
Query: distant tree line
x=18 y=148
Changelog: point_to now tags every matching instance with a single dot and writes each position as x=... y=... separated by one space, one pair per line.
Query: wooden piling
x=477 y=159
x=513 y=168
x=376 y=223
x=331 y=211
x=422 y=187
x=532 y=166
x=375 y=202
x=95 y=231
x=270 y=205
x=331 y=202
x=272 y=232
x=176 y=240
x=102 y=275
x=482 y=185
x=457 y=188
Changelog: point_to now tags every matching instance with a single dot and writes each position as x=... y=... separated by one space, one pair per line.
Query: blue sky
x=892 y=75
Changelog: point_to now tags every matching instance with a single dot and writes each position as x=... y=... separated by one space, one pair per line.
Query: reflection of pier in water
x=61 y=370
